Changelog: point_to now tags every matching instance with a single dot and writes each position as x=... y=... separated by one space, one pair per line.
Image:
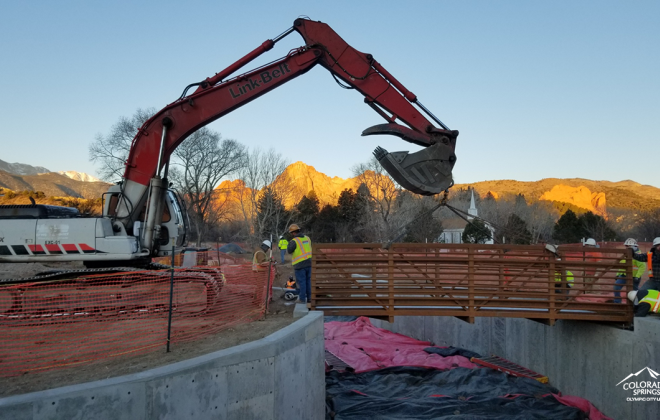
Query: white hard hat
x=656 y=241
x=630 y=242
x=590 y=241
x=551 y=248
x=632 y=295
x=267 y=243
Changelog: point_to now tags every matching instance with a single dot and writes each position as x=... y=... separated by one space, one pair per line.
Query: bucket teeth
x=427 y=172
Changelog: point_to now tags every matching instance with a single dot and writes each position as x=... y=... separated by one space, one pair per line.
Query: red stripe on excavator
x=53 y=247
x=70 y=248
x=86 y=247
x=36 y=248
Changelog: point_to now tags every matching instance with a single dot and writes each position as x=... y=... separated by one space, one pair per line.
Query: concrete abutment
x=580 y=358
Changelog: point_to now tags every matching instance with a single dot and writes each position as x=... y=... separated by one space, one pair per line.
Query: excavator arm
x=425 y=172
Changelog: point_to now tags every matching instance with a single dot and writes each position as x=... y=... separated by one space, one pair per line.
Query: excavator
x=142 y=218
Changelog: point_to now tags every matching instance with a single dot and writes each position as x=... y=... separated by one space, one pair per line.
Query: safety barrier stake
x=169 y=317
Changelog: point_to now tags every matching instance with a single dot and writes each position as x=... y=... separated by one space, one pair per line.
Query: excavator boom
x=426 y=172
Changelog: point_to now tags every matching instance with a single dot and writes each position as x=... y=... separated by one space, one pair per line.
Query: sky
x=537 y=89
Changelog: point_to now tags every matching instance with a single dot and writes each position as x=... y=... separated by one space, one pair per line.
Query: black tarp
x=452 y=351
x=231 y=248
x=457 y=394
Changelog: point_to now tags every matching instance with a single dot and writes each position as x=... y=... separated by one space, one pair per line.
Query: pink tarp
x=365 y=347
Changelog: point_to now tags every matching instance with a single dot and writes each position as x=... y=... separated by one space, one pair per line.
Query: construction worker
x=638 y=270
x=300 y=248
x=590 y=275
x=260 y=257
x=291 y=291
x=652 y=260
x=282 y=246
x=648 y=301
x=570 y=280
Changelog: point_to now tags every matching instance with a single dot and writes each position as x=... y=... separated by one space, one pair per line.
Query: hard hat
x=656 y=241
x=632 y=295
x=590 y=241
x=630 y=242
x=281 y=236
x=294 y=227
x=267 y=243
x=551 y=248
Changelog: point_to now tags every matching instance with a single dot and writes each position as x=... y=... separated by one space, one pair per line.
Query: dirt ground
x=279 y=315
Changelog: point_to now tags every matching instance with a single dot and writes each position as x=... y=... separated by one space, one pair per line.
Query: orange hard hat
x=294 y=227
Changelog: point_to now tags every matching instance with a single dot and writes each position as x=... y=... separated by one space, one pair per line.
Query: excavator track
x=104 y=292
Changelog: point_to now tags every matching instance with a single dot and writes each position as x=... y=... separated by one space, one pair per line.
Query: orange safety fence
x=201 y=258
x=69 y=322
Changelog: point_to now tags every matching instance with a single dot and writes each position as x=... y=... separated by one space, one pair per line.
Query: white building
x=453 y=227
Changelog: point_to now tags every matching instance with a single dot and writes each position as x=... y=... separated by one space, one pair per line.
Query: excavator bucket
x=427 y=172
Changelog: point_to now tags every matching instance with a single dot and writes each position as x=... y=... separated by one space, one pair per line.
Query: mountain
x=596 y=196
x=21 y=168
x=52 y=184
x=306 y=178
x=652 y=373
x=79 y=176
x=599 y=197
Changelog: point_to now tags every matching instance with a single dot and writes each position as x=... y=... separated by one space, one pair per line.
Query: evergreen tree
x=568 y=229
x=424 y=227
x=326 y=224
x=307 y=210
x=476 y=232
x=516 y=232
x=271 y=210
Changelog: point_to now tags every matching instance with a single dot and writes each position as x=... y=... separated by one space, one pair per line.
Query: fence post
x=471 y=276
x=169 y=317
x=270 y=269
x=390 y=283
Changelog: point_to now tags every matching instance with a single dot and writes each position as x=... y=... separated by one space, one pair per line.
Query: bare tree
x=648 y=226
x=111 y=151
x=383 y=192
x=203 y=160
x=260 y=170
x=197 y=166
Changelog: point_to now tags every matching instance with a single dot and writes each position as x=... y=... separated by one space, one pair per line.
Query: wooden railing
x=467 y=281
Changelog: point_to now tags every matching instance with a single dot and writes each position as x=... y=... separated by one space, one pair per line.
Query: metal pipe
x=430 y=114
x=169 y=318
x=162 y=146
x=265 y=46
x=282 y=35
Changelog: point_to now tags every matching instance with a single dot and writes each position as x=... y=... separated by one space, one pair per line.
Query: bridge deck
x=471 y=280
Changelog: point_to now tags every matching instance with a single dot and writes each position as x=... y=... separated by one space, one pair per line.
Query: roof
x=453 y=223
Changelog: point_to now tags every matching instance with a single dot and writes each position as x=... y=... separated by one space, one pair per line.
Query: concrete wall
x=583 y=359
x=278 y=377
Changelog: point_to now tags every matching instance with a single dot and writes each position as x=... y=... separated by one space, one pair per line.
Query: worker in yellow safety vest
x=570 y=280
x=300 y=248
x=647 y=301
x=638 y=270
x=652 y=260
x=282 y=246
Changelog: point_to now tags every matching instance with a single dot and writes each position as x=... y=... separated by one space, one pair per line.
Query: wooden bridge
x=471 y=280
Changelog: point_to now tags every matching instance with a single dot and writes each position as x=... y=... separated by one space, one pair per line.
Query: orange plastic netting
x=60 y=323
